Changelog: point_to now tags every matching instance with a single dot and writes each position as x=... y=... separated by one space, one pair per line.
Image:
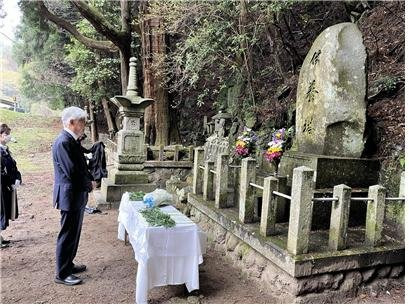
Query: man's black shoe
x=78 y=268
x=71 y=280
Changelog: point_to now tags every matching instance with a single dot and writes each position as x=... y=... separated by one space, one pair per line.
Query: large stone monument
x=127 y=174
x=331 y=93
x=331 y=112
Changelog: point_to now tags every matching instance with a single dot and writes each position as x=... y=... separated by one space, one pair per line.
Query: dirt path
x=27 y=266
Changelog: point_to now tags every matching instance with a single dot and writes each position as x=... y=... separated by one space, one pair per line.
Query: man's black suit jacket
x=71 y=175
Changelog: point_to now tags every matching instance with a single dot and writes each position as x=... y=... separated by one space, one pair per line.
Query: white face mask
x=8 y=138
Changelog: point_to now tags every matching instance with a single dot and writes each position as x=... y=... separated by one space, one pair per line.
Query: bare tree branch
x=101 y=24
x=90 y=43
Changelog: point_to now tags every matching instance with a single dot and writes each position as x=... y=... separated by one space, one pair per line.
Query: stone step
x=128 y=177
x=112 y=193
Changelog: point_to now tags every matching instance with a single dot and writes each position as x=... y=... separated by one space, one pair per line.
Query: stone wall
x=323 y=288
x=160 y=175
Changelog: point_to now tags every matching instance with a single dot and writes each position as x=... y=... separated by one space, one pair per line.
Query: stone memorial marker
x=331 y=105
x=331 y=112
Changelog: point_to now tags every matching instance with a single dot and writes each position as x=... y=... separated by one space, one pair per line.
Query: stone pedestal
x=331 y=171
x=124 y=177
x=112 y=192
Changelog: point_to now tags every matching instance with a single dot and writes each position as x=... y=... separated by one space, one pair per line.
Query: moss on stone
x=390 y=176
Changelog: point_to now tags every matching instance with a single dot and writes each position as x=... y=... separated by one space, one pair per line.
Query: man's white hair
x=72 y=113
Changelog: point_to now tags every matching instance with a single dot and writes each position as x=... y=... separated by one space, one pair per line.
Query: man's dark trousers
x=72 y=183
x=69 y=237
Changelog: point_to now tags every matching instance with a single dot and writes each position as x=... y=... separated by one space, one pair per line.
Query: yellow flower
x=240 y=143
x=273 y=150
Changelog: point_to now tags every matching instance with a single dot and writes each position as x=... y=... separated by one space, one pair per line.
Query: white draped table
x=165 y=256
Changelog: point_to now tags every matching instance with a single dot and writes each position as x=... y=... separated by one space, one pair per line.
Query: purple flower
x=279 y=135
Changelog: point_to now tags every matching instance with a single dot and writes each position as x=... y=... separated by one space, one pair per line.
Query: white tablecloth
x=165 y=256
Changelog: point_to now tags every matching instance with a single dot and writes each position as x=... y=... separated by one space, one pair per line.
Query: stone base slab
x=318 y=261
x=301 y=279
x=129 y=159
x=128 y=177
x=129 y=167
x=168 y=164
x=112 y=193
x=331 y=170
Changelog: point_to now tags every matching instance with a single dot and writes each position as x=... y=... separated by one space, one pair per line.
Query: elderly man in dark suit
x=72 y=183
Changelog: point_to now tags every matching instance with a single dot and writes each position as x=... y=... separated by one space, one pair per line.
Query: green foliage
x=109 y=9
x=211 y=45
x=96 y=73
x=39 y=51
x=211 y=48
x=155 y=217
x=388 y=83
x=136 y=196
x=35 y=87
x=94 y=70
x=402 y=162
x=55 y=67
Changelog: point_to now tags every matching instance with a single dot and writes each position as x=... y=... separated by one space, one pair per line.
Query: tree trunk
x=93 y=127
x=148 y=86
x=125 y=48
x=111 y=123
x=124 y=55
x=157 y=118
x=247 y=53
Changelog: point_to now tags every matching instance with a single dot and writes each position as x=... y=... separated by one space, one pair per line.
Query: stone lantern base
x=127 y=175
x=111 y=192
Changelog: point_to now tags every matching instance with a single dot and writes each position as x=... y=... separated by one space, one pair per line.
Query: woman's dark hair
x=4 y=128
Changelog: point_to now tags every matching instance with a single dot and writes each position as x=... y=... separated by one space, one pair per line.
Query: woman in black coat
x=10 y=181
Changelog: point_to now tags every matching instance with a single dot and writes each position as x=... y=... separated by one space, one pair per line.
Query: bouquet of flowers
x=245 y=143
x=275 y=147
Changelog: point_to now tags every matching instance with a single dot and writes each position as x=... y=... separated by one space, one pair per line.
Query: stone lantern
x=127 y=174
